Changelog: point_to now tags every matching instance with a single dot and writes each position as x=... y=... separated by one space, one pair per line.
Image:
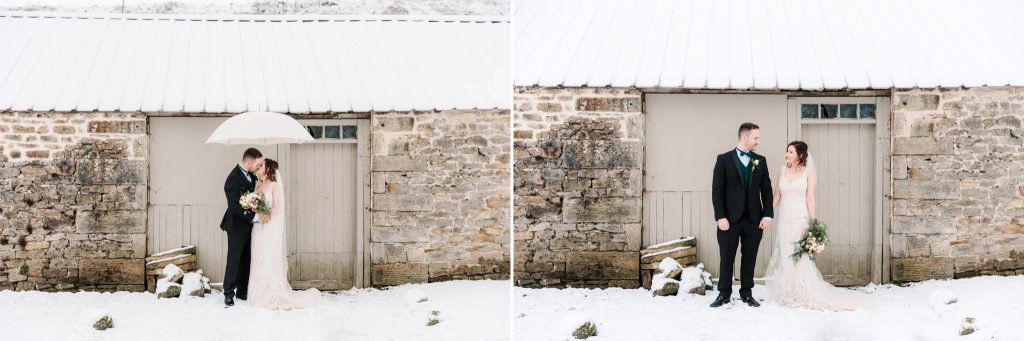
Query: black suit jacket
x=236 y=219
x=728 y=194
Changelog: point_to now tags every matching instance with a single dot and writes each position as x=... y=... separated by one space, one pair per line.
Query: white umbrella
x=260 y=128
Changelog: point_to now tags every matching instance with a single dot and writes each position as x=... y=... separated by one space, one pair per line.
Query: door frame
x=362 y=267
x=881 y=245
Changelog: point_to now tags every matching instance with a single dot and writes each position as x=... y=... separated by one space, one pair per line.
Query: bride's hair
x=801 y=151
x=270 y=166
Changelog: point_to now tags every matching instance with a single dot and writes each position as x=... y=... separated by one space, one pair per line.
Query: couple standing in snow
x=256 y=243
x=745 y=205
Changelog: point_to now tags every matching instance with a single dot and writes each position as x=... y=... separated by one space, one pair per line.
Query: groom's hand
x=765 y=223
x=723 y=224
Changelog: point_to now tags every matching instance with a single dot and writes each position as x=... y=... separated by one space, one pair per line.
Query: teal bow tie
x=743 y=153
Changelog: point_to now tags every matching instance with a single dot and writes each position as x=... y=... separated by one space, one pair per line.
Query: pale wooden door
x=684 y=133
x=324 y=218
x=841 y=134
x=186 y=189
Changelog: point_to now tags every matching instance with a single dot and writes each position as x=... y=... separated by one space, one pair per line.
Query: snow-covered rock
x=173 y=273
x=192 y=284
x=413 y=296
x=167 y=289
x=942 y=297
x=692 y=281
x=670 y=268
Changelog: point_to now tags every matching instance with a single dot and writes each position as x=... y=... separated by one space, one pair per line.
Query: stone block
x=395 y=274
x=926 y=189
x=602 y=265
x=110 y=222
x=117 y=127
x=916 y=102
x=397 y=163
x=403 y=202
x=110 y=171
x=923 y=146
x=111 y=271
x=608 y=104
x=394 y=124
x=920 y=269
x=923 y=225
x=601 y=154
x=602 y=210
x=400 y=235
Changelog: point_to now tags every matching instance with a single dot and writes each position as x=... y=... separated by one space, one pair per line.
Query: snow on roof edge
x=261 y=17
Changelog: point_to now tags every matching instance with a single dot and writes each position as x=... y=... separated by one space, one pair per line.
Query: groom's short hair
x=251 y=154
x=747 y=127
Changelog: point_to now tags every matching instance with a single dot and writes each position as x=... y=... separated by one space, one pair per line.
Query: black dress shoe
x=749 y=300
x=720 y=301
x=229 y=301
x=243 y=297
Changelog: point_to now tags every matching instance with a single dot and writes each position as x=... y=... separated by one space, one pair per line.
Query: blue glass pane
x=867 y=111
x=848 y=111
x=829 y=110
x=808 y=111
x=332 y=132
x=316 y=131
x=348 y=132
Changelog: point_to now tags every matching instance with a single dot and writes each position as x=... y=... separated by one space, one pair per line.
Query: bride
x=268 y=278
x=799 y=283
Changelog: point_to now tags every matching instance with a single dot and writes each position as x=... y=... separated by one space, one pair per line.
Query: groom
x=741 y=193
x=237 y=222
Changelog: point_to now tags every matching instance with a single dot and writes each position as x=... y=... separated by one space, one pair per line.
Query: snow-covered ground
x=916 y=312
x=347 y=7
x=468 y=310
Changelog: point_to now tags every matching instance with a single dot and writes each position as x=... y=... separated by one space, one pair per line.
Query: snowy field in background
x=468 y=310
x=346 y=7
x=917 y=312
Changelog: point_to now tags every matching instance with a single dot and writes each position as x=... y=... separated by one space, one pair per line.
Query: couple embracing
x=257 y=266
x=745 y=205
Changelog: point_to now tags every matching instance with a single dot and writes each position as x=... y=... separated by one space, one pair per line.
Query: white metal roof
x=769 y=44
x=230 y=64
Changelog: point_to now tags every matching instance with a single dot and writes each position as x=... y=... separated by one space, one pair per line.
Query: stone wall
x=440 y=196
x=72 y=201
x=578 y=181
x=958 y=183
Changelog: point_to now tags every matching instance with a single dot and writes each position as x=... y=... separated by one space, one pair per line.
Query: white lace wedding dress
x=268 y=274
x=799 y=284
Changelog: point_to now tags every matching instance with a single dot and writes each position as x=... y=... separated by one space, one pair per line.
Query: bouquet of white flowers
x=813 y=241
x=254 y=202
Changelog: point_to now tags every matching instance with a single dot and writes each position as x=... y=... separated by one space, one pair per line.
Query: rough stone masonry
x=72 y=201
x=958 y=183
x=578 y=182
x=440 y=197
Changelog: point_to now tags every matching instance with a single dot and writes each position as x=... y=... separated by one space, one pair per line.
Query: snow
x=692 y=277
x=396 y=7
x=680 y=240
x=942 y=297
x=469 y=310
x=765 y=44
x=414 y=296
x=192 y=282
x=158 y=254
x=170 y=270
x=666 y=251
x=667 y=265
x=165 y=259
x=899 y=313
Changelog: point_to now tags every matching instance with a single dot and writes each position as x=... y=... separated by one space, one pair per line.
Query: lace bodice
x=793 y=193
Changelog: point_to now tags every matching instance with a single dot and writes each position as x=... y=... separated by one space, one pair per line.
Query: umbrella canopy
x=260 y=128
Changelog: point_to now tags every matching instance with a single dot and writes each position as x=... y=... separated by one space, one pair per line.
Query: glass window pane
x=829 y=110
x=848 y=111
x=316 y=131
x=348 y=132
x=867 y=111
x=808 y=111
x=332 y=132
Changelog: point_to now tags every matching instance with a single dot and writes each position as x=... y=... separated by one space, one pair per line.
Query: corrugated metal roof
x=217 y=64
x=768 y=44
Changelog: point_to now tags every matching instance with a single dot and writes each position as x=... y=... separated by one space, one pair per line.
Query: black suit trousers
x=236 y=273
x=745 y=233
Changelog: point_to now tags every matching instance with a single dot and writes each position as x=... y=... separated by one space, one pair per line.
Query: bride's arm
x=776 y=196
x=812 y=179
x=277 y=198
